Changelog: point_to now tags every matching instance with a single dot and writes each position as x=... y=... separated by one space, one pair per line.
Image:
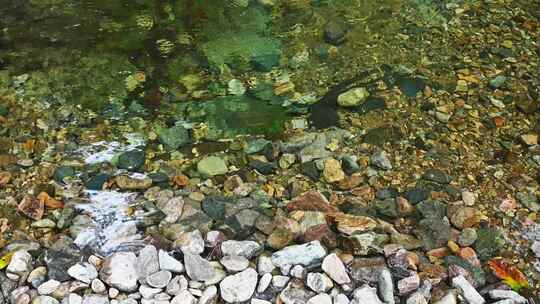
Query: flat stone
x=305 y=254
x=380 y=160
x=264 y=282
x=467 y=290
x=311 y=201
x=44 y=300
x=119 y=271
x=259 y=301
x=500 y=294
x=167 y=262
x=190 y=242
x=334 y=268
x=265 y=265
x=148 y=292
x=239 y=287
x=211 y=166
x=98 y=286
x=20 y=266
x=172 y=208
x=353 y=224
x=280 y=281
x=319 y=282
x=197 y=268
x=48 y=287
x=247 y=249
x=209 y=295
x=408 y=284
x=386 y=286
x=147 y=262
x=159 y=279
x=234 y=263
x=95 y=299
x=322 y=298
x=332 y=171
x=84 y=272
x=184 y=297
x=295 y=294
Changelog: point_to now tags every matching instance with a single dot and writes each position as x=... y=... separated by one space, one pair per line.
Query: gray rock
x=498 y=294
x=416 y=298
x=147 y=262
x=197 y=268
x=176 y=285
x=334 y=268
x=44 y=300
x=209 y=295
x=247 y=249
x=264 y=282
x=234 y=263
x=167 y=262
x=319 y=282
x=295 y=294
x=119 y=271
x=408 y=284
x=299 y=272
x=259 y=301
x=84 y=272
x=322 y=298
x=239 y=287
x=190 y=242
x=386 y=286
x=467 y=291
x=449 y=298
x=148 y=292
x=72 y=298
x=172 y=208
x=37 y=276
x=159 y=279
x=305 y=254
x=280 y=281
x=380 y=160
x=341 y=298
x=529 y=200
x=98 y=286
x=365 y=294
x=173 y=137
x=48 y=287
x=184 y=297
x=467 y=237
x=20 y=266
x=95 y=299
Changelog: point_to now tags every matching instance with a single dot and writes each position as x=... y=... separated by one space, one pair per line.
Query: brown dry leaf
x=510 y=274
x=49 y=202
x=5 y=177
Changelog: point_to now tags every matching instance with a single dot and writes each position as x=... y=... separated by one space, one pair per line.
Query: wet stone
x=335 y=32
x=198 y=268
x=467 y=237
x=437 y=176
x=416 y=195
x=131 y=160
x=119 y=271
x=147 y=262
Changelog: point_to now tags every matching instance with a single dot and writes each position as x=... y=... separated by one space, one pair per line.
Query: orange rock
x=498 y=121
x=32 y=207
x=438 y=252
x=350 y=224
x=311 y=201
x=5 y=177
x=180 y=180
x=49 y=202
x=469 y=255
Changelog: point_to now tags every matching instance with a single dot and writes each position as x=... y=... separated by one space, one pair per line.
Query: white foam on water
x=104 y=151
x=114 y=229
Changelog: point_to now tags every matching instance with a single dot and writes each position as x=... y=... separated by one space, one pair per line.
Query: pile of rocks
x=241 y=272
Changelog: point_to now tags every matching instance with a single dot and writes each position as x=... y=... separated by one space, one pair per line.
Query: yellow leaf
x=4 y=260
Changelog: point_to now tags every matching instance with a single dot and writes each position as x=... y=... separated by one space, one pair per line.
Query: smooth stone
x=131 y=160
x=98 y=286
x=119 y=271
x=264 y=282
x=380 y=160
x=209 y=295
x=305 y=254
x=259 y=301
x=211 y=166
x=84 y=272
x=95 y=299
x=159 y=279
x=184 y=297
x=341 y=299
x=176 y=285
x=386 y=286
x=365 y=294
x=44 y=300
x=148 y=292
x=73 y=298
x=334 y=268
x=37 y=276
x=353 y=97
x=48 y=287
x=280 y=281
x=167 y=262
x=322 y=298
x=265 y=265
x=498 y=294
x=239 y=287
x=299 y=272
x=190 y=242
x=19 y=266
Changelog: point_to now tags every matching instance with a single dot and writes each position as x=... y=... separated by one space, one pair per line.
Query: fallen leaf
x=4 y=260
x=508 y=273
x=49 y=202
x=5 y=177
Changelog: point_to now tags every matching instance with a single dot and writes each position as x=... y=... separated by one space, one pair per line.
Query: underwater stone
x=211 y=166
x=174 y=137
x=131 y=160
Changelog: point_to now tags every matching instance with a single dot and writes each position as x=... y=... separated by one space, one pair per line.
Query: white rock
x=48 y=287
x=334 y=268
x=468 y=198
x=73 y=298
x=44 y=300
x=113 y=293
x=365 y=294
x=265 y=265
x=98 y=286
x=197 y=268
x=37 y=276
x=416 y=298
x=176 y=285
x=298 y=272
x=498 y=294
x=219 y=274
x=190 y=242
x=467 y=290
x=148 y=292
x=95 y=299
x=321 y=298
x=159 y=279
x=264 y=282
x=386 y=286
x=239 y=287
x=167 y=262
x=119 y=271
x=319 y=282
x=293 y=294
x=247 y=249
x=147 y=262
x=20 y=266
x=305 y=254
x=184 y=297
x=449 y=298
x=234 y=263
x=209 y=295
x=259 y=301
x=341 y=299
x=408 y=284
x=280 y=281
x=77 y=286
x=84 y=272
